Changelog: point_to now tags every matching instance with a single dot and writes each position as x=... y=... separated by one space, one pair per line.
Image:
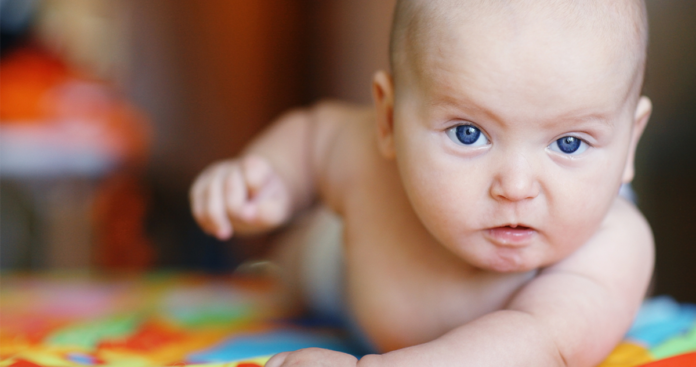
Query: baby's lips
x=509 y=236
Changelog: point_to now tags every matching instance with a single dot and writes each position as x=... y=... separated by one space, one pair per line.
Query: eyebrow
x=448 y=102
x=601 y=118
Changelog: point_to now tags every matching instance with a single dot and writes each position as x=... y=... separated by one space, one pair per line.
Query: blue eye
x=467 y=135
x=569 y=145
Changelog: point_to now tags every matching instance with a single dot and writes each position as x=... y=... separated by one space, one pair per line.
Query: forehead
x=523 y=62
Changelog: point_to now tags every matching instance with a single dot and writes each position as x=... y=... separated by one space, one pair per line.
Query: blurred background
x=109 y=109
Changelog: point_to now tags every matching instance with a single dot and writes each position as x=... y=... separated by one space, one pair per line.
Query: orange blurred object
x=57 y=122
x=37 y=88
x=27 y=76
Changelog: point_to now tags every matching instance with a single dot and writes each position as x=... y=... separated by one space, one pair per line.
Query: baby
x=480 y=218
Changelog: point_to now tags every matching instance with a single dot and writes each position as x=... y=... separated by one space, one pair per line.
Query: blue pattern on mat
x=661 y=318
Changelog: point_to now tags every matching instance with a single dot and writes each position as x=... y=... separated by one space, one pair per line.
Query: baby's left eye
x=569 y=145
x=468 y=135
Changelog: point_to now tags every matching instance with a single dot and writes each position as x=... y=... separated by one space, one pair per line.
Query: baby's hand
x=244 y=195
x=312 y=357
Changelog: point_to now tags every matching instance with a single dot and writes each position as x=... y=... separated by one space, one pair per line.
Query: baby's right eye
x=569 y=145
x=468 y=135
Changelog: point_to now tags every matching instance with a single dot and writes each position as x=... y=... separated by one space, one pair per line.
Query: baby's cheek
x=569 y=230
x=438 y=218
x=447 y=199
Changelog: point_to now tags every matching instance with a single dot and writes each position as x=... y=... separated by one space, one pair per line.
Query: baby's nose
x=515 y=180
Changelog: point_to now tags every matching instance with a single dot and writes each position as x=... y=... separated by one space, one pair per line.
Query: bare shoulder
x=331 y=118
x=342 y=132
x=623 y=244
x=590 y=298
x=619 y=258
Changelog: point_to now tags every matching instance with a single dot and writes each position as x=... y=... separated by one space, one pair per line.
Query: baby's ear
x=640 y=119
x=383 y=96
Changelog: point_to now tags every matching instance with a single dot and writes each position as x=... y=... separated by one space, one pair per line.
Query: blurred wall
x=214 y=72
x=349 y=44
x=666 y=160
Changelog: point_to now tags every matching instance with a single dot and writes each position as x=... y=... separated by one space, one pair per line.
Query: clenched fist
x=243 y=195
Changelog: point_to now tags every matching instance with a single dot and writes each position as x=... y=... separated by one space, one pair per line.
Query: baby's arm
x=571 y=314
x=273 y=178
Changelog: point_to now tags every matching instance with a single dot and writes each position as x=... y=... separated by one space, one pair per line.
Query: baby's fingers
x=312 y=357
x=218 y=224
x=236 y=193
x=277 y=360
x=268 y=200
x=199 y=201
x=273 y=202
x=257 y=173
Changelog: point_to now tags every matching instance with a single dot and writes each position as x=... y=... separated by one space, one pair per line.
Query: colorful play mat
x=171 y=319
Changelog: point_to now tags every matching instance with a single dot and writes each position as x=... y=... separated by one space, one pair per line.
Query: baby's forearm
x=503 y=338
x=287 y=145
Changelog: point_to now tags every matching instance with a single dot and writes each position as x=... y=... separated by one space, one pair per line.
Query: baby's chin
x=506 y=261
x=509 y=266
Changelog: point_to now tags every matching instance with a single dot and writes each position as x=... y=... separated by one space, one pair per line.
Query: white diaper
x=322 y=266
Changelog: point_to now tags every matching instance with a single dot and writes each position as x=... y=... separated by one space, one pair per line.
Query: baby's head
x=513 y=123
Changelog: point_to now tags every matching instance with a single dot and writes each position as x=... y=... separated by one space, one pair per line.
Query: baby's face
x=513 y=145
